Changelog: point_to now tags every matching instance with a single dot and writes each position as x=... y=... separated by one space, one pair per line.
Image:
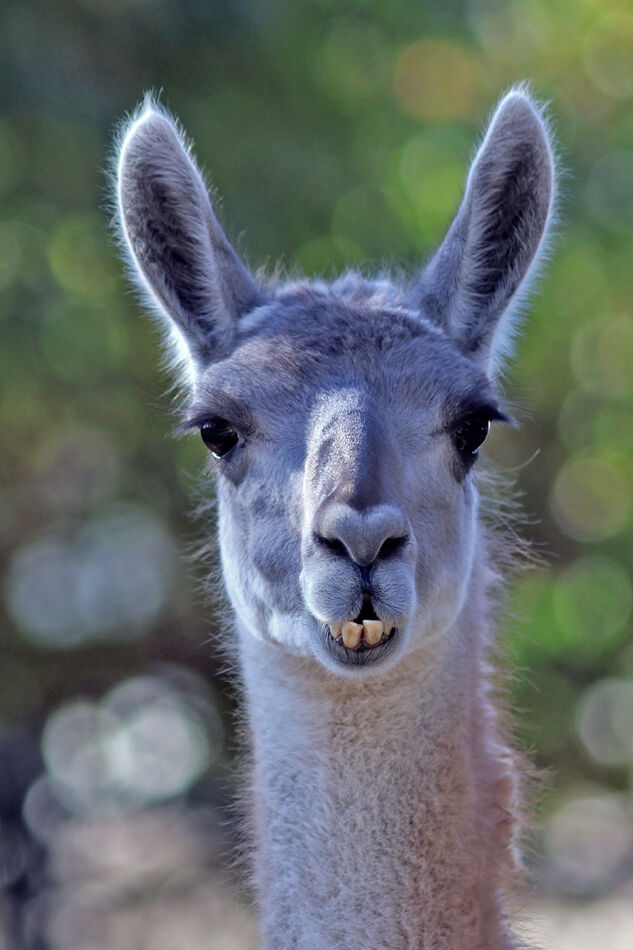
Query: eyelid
x=196 y=422
x=492 y=413
x=490 y=410
x=237 y=416
x=188 y=425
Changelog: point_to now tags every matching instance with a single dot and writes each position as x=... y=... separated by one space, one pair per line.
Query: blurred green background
x=335 y=134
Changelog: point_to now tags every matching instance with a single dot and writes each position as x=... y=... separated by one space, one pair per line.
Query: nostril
x=392 y=546
x=378 y=533
x=332 y=544
x=389 y=547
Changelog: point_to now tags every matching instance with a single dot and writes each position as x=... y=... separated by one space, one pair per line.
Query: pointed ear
x=180 y=255
x=482 y=269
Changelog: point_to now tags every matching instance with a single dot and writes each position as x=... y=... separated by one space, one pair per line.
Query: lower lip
x=366 y=657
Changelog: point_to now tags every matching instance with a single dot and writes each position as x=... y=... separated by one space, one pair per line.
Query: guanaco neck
x=383 y=811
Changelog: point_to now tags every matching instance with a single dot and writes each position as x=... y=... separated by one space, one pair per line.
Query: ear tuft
x=484 y=266
x=181 y=257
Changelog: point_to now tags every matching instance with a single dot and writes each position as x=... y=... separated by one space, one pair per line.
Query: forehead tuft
x=315 y=336
x=330 y=319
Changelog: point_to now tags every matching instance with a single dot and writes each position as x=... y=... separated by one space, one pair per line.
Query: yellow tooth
x=335 y=630
x=373 y=632
x=351 y=634
x=388 y=629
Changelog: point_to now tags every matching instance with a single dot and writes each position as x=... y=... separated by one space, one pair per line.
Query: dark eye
x=218 y=436
x=470 y=434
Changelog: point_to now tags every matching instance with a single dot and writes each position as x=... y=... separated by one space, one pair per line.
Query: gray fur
x=181 y=253
x=346 y=482
x=483 y=265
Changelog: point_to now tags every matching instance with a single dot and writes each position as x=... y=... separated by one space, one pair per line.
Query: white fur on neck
x=383 y=810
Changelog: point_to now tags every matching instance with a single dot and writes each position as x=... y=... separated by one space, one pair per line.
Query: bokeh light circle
x=145 y=742
x=588 y=840
x=436 y=80
x=602 y=356
x=604 y=721
x=592 y=600
x=107 y=577
x=608 y=58
x=590 y=499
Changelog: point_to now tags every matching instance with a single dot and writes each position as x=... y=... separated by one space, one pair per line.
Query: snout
x=358 y=580
x=358 y=548
x=363 y=535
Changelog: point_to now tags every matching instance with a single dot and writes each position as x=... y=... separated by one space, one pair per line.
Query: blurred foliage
x=335 y=134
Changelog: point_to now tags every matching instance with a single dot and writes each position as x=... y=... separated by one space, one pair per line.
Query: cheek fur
x=261 y=548
x=444 y=575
